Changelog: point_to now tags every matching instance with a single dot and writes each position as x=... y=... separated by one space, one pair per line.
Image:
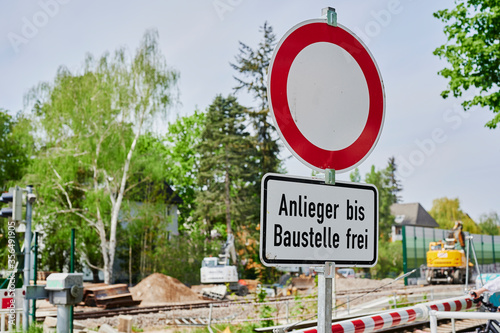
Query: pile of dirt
x=159 y=289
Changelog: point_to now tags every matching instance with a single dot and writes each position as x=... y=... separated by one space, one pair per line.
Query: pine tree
x=388 y=187
x=394 y=184
x=253 y=65
x=226 y=168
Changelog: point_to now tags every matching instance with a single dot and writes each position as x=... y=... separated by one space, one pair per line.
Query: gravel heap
x=159 y=289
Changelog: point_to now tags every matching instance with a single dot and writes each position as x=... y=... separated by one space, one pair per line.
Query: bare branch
x=89 y=221
x=80 y=154
x=66 y=195
x=75 y=211
x=53 y=169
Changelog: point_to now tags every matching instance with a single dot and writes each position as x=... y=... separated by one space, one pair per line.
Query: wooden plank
x=108 y=286
x=105 y=298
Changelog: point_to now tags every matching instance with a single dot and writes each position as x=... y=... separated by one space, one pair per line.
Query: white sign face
x=307 y=222
x=326 y=96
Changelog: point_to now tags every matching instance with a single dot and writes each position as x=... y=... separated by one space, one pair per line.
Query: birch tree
x=89 y=123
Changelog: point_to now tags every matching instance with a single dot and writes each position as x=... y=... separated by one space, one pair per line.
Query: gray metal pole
x=27 y=253
x=63 y=318
x=433 y=321
x=325 y=298
x=467 y=269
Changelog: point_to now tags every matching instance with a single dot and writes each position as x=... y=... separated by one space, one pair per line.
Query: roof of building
x=412 y=214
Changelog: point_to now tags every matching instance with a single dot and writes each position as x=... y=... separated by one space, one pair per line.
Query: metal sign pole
x=325 y=290
x=325 y=297
x=27 y=254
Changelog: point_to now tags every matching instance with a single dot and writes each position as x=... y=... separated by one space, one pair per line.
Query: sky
x=440 y=150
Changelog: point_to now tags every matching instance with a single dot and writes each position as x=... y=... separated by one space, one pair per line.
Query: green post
x=72 y=270
x=424 y=248
x=415 y=248
x=405 y=264
x=35 y=273
x=482 y=250
x=493 y=248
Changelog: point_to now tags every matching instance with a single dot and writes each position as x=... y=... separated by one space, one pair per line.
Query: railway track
x=180 y=321
x=189 y=306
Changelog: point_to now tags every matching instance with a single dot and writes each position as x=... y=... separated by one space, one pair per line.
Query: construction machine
x=445 y=262
x=219 y=271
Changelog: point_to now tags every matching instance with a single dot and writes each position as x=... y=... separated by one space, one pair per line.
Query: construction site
x=161 y=303
x=250 y=196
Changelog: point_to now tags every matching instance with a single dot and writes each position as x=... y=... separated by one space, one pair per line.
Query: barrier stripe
x=336 y=328
x=359 y=325
x=458 y=305
x=412 y=315
x=395 y=318
x=379 y=322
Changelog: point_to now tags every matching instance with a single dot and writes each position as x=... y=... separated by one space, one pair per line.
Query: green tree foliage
x=183 y=161
x=90 y=123
x=226 y=167
x=473 y=51
x=147 y=211
x=390 y=260
x=227 y=175
x=182 y=255
x=490 y=224
x=253 y=65
x=355 y=176
x=16 y=146
x=446 y=211
x=388 y=187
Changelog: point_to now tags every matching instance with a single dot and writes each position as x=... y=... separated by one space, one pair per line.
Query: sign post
x=327 y=101
x=325 y=291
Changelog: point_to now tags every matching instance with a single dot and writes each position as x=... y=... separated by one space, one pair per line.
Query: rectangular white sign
x=307 y=222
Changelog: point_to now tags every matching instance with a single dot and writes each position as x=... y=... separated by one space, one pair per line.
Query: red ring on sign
x=292 y=45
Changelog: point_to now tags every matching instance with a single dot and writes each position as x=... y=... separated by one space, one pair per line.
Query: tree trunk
x=119 y=198
x=130 y=265
x=95 y=275
x=228 y=203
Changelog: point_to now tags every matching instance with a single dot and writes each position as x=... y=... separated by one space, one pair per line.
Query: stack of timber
x=108 y=296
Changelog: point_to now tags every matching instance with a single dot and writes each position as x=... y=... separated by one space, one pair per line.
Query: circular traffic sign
x=326 y=96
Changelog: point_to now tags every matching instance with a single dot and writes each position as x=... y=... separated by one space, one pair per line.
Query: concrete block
x=78 y=325
x=125 y=324
x=105 y=328
x=50 y=322
x=49 y=325
x=49 y=329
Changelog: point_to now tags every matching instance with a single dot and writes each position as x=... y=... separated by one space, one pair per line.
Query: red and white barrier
x=400 y=317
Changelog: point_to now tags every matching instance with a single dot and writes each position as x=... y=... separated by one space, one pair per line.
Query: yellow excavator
x=445 y=262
